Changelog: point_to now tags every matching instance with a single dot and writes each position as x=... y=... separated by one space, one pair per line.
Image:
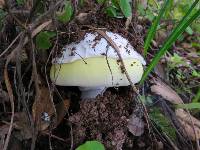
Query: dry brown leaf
x=43 y=109
x=135 y=125
x=188 y=130
x=61 y=109
x=189 y=124
x=2 y=3
x=187 y=117
x=40 y=28
x=166 y=92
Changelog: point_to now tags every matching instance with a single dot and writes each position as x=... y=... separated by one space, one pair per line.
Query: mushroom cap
x=97 y=72
x=94 y=45
x=92 y=62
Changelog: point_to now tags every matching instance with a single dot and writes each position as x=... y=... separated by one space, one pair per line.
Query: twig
x=37 y=30
x=71 y=133
x=9 y=88
x=45 y=68
x=102 y=33
x=11 y=44
x=37 y=95
x=54 y=136
x=40 y=28
x=171 y=142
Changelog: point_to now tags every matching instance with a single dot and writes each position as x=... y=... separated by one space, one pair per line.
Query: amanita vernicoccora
x=93 y=64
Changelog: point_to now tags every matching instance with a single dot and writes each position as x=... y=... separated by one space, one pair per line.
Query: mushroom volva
x=93 y=65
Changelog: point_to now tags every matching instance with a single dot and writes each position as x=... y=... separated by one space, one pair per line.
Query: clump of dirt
x=104 y=119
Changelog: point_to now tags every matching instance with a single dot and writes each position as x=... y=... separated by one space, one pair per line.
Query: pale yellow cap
x=97 y=72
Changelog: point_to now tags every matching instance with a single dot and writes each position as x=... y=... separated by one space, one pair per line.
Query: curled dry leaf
x=61 y=109
x=166 y=92
x=189 y=124
x=135 y=125
x=43 y=109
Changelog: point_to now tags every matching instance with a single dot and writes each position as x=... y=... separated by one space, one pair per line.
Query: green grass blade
x=154 y=26
x=171 y=39
x=189 y=11
x=197 y=97
x=189 y=106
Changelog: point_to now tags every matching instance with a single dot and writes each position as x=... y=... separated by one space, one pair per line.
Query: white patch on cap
x=94 y=45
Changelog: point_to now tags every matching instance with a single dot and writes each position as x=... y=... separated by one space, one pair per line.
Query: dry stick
x=171 y=142
x=54 y=136
x=35 y=78
x=11 y=44
x=34 y=33
x=102 y=33
x=50 y=89
x=37 y=30
x=50 y=145
x=9 y=88
x=51 y=96
x=21 y=95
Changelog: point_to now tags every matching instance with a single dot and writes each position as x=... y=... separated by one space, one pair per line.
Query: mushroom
x=93 y=65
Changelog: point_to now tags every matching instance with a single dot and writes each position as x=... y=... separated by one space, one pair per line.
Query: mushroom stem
x=91 y=92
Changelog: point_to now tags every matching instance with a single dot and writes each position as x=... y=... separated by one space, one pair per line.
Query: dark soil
x=104 y=119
